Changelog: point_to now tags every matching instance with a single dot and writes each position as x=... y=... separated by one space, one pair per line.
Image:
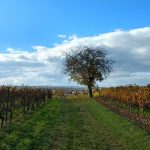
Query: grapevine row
x=128 y=96
x=23 y=99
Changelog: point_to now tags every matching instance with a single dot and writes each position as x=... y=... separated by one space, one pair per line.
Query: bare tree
x=86 y=65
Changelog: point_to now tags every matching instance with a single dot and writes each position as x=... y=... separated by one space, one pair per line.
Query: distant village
x=71 y=91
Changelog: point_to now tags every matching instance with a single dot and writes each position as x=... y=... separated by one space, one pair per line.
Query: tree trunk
x=2 y=122
x=90 y=90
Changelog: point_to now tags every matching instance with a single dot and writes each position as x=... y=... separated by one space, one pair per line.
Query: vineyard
x=130 y=101
x=128 y=97
x=22 y=99
x=72 y=121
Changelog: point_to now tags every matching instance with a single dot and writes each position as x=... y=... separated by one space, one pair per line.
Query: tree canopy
x=86 y=65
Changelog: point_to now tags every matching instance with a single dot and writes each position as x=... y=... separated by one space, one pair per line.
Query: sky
x=34 y=34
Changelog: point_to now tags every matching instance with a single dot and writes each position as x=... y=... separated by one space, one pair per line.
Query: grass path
x=73 y=125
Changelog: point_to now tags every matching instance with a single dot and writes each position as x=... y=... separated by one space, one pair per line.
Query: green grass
x=72 y=125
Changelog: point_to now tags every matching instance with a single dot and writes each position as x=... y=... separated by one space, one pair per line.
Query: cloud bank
x=43 y=66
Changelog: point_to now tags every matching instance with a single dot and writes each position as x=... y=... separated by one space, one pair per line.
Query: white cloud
x=62 y=36
x=43 y=66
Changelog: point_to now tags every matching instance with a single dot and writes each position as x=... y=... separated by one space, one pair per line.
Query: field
x=73 y=124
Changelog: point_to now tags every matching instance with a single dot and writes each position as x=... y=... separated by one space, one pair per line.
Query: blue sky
x=25 y=23
x=30 y=30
